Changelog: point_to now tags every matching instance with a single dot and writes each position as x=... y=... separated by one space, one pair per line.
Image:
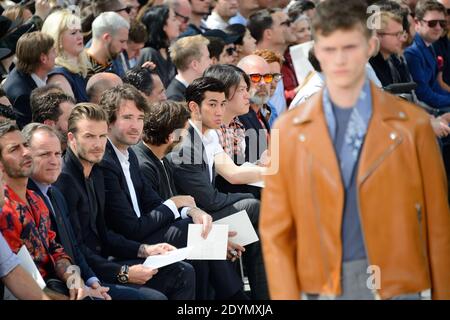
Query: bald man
x=101 y=82
x=257 y=118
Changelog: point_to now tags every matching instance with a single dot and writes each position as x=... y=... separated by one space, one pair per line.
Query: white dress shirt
x=212 y=146
x=125 y=164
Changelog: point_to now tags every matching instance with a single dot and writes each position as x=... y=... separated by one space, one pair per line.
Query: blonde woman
x=71 y=61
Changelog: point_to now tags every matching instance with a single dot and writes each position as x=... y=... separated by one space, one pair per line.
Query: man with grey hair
x=182 y=10
x=99 y=83
x=109 y=39
x=258 y=71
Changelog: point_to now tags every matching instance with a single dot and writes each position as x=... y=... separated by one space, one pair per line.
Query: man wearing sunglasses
x=430 y=23
x=442 y=47
x=255 y=121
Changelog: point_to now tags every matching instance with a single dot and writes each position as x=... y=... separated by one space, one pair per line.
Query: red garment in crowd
x=289 y=78
x=29 y=224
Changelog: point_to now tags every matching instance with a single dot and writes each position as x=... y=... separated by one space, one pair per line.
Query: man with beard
x=12 y=274
x=113 y=257
x=53 y=110
x=258 y=71
x=25 y=219
x=109 y=39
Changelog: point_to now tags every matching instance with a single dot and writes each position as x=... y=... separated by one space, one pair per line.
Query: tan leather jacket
x=402 y=197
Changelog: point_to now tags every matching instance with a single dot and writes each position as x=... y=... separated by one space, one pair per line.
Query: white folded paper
x=214 y=247
x=240 y=222
x=299 y=54
x=162 y=260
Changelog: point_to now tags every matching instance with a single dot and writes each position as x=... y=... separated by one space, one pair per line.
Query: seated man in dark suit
x=35 y=59
x=136 y=211
x=421 y=57
x=46 y=150
x=196 y=160
x=190 y=55
x=82 y=184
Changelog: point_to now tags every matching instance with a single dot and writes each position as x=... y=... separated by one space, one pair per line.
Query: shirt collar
x=184 y=82
x=206 y=138
x=39 y=82
x=123 y=157
x=42 y=186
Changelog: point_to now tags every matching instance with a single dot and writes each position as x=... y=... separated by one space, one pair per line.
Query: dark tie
x=61 y=229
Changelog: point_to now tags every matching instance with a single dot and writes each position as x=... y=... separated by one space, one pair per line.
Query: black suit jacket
x=251 y=122
x=176 y=91
x=191 y=175
x=153 y=171
x=96 y=240
x=18 y=87
x=119 y=212
x=61 y=210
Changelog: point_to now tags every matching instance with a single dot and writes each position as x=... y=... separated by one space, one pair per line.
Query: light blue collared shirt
x=8 y=260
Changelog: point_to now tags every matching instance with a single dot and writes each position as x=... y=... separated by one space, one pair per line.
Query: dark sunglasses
x=256 y=77
x=127 y=9
x=185 y=19
x=434 y=23
x=277 y=76
x=230 y=50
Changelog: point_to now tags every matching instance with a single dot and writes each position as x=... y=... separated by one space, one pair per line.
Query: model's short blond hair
x=185 y=50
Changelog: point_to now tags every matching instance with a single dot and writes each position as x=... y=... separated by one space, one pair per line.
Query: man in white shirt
x=197 y=159
x=221 y=14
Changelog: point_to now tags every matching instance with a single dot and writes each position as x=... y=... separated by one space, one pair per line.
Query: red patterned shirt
x=232 y=138
x=29 y=224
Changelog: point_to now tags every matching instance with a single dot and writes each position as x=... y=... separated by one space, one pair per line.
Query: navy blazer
x=176 y=91
x=191 y=174
x=119 y=212
x=251 y=122
x=96 y=240
x=424 y=69
x=62 y=210
x=18 y=87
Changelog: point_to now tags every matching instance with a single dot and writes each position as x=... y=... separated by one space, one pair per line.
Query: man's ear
x=374 y=46
x=193 y=107
x=106 y=37
x=43 y=58
x=267 y=34
x=194 y=64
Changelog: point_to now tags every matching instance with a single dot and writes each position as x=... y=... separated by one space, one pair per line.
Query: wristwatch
x=122 y=277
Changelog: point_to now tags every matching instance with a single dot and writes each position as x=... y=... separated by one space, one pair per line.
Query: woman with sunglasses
x=163 y=28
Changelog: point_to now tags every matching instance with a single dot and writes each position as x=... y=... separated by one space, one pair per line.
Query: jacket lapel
x=382 y=138
x=322 y=153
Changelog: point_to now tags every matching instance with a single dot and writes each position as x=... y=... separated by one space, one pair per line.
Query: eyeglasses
x=184 y=18
x=434 y=23
x=277 y=76
x=230 y=51
x=127 y=9
x=256 y=77
x=399 y=35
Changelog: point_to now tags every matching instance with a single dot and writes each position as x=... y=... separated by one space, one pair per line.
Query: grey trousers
x=356 y=285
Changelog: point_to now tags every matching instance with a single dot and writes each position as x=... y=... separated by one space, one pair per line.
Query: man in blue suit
x=421 y=57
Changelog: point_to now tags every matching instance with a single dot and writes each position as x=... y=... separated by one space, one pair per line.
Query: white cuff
x=184 y=212
x=171 y=205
